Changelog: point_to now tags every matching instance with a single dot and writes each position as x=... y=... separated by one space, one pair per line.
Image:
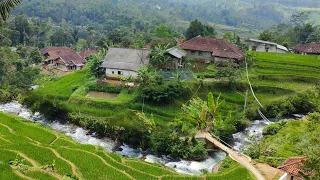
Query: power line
x=259 y=111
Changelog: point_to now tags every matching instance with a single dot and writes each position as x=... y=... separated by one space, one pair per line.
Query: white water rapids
x=242 y=139
x=82 y=136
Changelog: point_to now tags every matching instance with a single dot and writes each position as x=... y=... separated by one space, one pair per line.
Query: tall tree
x=6 y=6
x=162 y=31
x=197 y=28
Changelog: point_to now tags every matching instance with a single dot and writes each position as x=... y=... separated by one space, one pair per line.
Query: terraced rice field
x=277 y=76
x=31 y=151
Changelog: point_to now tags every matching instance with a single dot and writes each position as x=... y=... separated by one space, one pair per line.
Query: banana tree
x=159 y=58
x=6 y=6
x=148 y=122
x=202 y=112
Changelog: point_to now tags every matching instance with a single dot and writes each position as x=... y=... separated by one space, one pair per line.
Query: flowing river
x=82 y=136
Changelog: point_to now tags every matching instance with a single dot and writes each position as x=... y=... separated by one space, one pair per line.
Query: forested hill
x=145 y=14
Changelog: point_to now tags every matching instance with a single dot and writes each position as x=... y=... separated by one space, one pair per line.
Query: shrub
x=166 y=142
x=164 y=93
x=272 y=129
x=93 y=86
x=314 y=117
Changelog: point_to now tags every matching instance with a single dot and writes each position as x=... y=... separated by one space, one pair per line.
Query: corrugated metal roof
x=271 y=43
x=178 y=53
x=126 y=59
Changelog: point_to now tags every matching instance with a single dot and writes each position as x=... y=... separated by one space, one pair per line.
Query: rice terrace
x=159 y=90
x=31 y=151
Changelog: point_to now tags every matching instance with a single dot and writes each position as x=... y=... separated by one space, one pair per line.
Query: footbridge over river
x=240 y=158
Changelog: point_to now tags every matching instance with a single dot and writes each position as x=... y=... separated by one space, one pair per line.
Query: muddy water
x=101 y=95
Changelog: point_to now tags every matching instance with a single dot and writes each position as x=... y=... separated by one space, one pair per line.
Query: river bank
x=85 y=137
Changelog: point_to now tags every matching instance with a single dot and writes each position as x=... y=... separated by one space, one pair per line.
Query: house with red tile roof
x=63 y=57
x=85 y=54
x=293 y=168
x=212 y=50
x=307 y=49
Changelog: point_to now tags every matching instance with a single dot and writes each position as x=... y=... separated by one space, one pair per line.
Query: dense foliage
x=170 y=143
x=301 y=103
x=145 y=15
x=298 y=31
x=16 y=72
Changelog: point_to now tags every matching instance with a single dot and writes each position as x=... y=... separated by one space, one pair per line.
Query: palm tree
x=6 y=6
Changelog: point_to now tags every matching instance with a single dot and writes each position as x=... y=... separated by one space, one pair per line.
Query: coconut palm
x=6 y=6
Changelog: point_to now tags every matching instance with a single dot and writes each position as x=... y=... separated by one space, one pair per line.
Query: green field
x=274 y=77
x=32 y=151
x=277 y=76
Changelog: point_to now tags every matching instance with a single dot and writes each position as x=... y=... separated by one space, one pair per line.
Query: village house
x=293 y=168
x=307 y=49
x=125 y=62
x=266 y=46
x=176 y=56
x=63 y=57
x=210 y=50
x=85 y=54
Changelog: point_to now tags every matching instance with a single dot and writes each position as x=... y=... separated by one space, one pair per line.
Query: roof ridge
x=232 y=47
x=130 y=48
x=295 y=159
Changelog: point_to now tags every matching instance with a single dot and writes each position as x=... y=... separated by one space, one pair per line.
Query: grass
x=71 y=158
x=296 y=138
x=63 y=87
x=274 y=78
x=277 y=76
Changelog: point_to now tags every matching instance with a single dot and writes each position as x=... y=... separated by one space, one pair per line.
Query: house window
x=112 y=72
x=254 y=48
x=193 y=52
x=119 y=73
x=267 y=48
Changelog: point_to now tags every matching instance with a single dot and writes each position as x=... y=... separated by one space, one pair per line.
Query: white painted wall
x=261 y=47
x=287 y=176
x=123 y=72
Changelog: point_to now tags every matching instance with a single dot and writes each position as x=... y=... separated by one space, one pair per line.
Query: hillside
x=142 y=15
x=274 y=77
x=277 y=76
x=31 y=151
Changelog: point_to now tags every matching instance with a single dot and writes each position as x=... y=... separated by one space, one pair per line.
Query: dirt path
x=75 y=169
x=10 y=130
x=6 y=140
x=269 y=172
x=20 y=174
x=57 y=138
x=36 y=165
x=243 y=160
